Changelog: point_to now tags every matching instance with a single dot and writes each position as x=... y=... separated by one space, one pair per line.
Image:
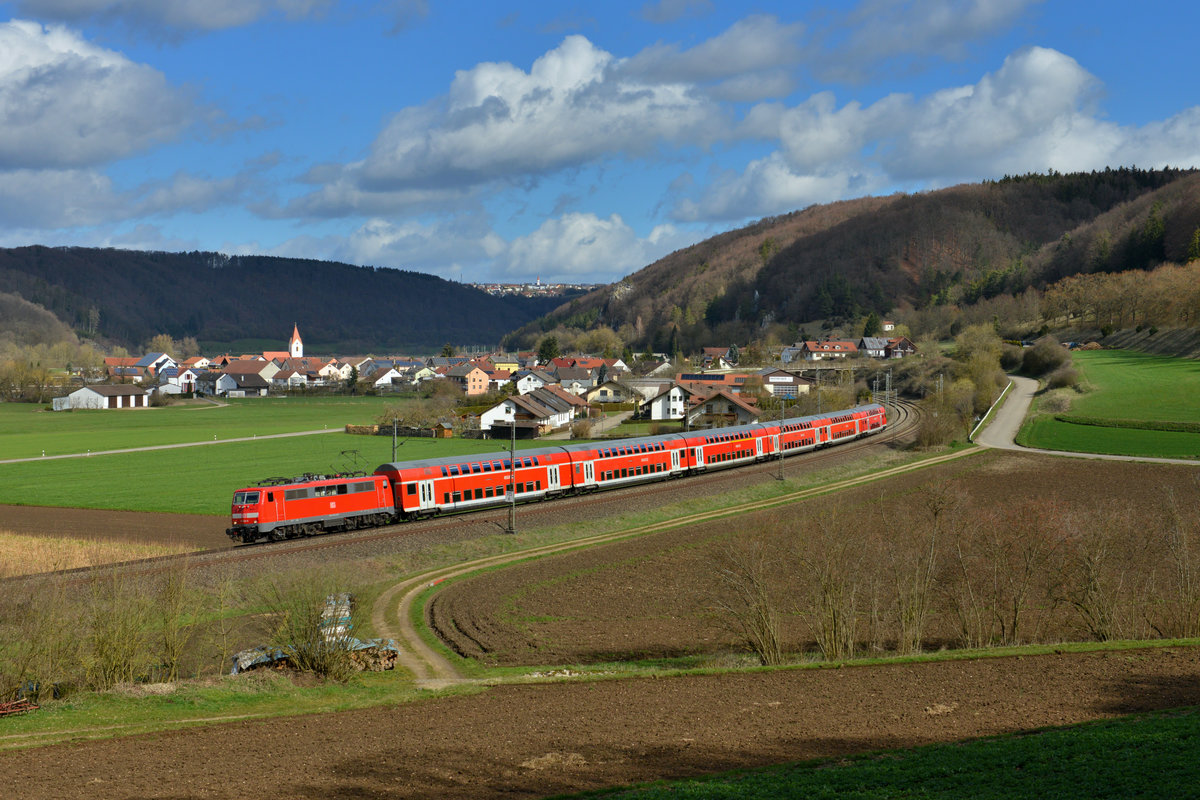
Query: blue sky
x=570 y=141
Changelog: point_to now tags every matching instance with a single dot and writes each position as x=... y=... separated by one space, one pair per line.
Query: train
x=285 y=508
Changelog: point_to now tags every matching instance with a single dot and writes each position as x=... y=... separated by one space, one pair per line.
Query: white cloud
x=771 y=186
x=67 y=103
x=1036 y=112
x=751 y=45
x=878 y=31
x=58 y=199
x=587 y=248
x=500 y=123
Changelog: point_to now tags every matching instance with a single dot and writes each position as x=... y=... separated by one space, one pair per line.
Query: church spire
x=295 y=346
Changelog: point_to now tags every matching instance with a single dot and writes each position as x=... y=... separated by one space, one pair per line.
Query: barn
x=107 y=395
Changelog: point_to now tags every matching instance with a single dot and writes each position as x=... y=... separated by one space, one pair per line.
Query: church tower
x=295 y=346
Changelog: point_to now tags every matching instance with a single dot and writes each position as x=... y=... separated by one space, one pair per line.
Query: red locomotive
x=286 y=508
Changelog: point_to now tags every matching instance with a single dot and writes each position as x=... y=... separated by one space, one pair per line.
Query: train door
x=698 y=453
x=552 y=479
x=775 y=442
x=758 y=448
x=589 y=473
x=675 y=460
x=275 y=501
x=425 y=492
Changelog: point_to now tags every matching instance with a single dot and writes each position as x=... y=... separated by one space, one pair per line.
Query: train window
x=411 y=489
x=487 y=466
x=445 y=473
x=446 y=499
x=624 y=473
x=507 y=464
x=479 y=494
x=489 y=492
x=457 y=497
x=537 y=485
x=245 y=498
x=270 y=497
x=343 y=488
x=520 y=488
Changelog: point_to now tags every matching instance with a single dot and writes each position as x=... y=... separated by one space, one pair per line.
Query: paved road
x=1001 y=431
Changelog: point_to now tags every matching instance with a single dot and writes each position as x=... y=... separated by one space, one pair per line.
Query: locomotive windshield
x=245 y=498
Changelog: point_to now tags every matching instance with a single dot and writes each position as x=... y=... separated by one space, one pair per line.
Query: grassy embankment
x=1143 y=755
x=1136 y=404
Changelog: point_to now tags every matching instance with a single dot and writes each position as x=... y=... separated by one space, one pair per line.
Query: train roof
x=468 y=458
x=446 y=461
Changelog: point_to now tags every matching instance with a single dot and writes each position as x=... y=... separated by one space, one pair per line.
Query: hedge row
x=1135 y=424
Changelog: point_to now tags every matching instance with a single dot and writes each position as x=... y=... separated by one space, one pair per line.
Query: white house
x=104 y=395
x=670 y=403
x=528 y=380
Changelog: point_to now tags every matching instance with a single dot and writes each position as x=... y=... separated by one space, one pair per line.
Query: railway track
x=902 y=422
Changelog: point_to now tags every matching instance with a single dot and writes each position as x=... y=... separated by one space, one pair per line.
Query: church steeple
x=295 y=346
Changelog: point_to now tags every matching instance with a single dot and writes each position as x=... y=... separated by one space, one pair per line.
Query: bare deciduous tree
x=744 y=602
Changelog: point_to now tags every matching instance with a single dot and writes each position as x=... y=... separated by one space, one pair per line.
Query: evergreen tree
x=872 y=326
x=548 y=349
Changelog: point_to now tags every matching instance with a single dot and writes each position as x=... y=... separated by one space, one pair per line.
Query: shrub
x=1045 y=356
x=1011 y=357
x=1063 y=377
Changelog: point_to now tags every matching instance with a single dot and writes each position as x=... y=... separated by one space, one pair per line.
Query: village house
x=611 y=391
x=830 y=348
x=470 y=378
x=542 y=409
x=873 y=346
x=899 y=347
x=722 y=408
x=670 y=403
x=781 y=383
x=528 y=380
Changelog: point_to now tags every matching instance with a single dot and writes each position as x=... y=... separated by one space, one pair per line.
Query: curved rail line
x=902 y=421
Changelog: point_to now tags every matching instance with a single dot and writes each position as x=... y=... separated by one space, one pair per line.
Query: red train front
x=284 y=508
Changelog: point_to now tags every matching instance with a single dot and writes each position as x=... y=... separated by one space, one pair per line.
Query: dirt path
x=535 y=740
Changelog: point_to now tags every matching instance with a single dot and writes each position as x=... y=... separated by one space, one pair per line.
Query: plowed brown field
x=196 y=530
x=652 y=597
x=531 y=741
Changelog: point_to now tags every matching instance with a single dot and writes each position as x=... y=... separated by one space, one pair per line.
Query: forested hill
x=846 y=259
x=126 y=297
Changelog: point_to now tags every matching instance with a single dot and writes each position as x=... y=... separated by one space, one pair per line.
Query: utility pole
x=782 y=417
x=512 y=474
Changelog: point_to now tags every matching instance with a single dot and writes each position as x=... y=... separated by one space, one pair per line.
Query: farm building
x=108 y=396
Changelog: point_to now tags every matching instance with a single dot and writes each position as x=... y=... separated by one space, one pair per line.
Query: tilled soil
x=654 y=596
x=535 y=740
x=197 y=530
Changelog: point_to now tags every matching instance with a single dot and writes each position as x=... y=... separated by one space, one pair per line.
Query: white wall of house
x=669 y=405
x=501 y=412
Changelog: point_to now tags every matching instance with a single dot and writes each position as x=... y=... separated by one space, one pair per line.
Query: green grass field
x=199 y=479
x=26 y=430
x=1128 y=389
x=1139 y=756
